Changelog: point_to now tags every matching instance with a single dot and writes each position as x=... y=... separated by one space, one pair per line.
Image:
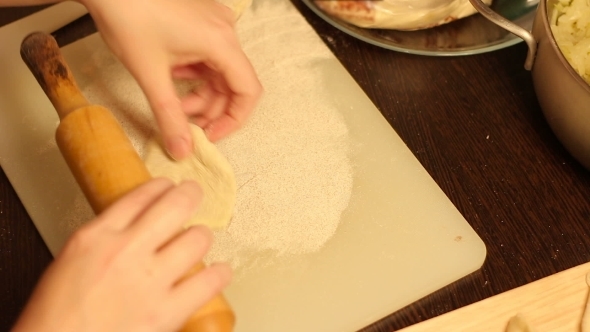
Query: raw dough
x=209 y=168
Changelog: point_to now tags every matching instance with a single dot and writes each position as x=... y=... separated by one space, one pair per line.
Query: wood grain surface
x=555 y=303
x=475 y=125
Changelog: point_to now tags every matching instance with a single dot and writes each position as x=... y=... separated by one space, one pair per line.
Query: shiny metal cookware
x=563 y=95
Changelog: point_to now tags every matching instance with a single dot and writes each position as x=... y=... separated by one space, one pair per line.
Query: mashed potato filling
x=571 y=28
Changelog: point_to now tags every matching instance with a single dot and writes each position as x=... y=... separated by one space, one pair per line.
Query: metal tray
x=470 y=35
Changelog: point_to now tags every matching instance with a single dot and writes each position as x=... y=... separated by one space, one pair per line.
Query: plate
x=467 y=36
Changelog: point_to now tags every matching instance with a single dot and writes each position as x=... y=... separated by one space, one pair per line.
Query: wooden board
x=555 y=303
x=399 y=226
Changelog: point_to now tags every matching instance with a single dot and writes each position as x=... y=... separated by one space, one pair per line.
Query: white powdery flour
x=291 y=159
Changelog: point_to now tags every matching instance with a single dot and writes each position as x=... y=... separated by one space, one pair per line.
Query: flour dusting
x=291 y=159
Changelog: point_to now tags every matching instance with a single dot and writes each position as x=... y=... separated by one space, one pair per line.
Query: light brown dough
x=209 y=168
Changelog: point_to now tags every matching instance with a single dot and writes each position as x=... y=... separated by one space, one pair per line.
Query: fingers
x=217 y=107
x=154 y=61
x=243 y=87
x=124 y=211
x=198 y=289
x=166 y=216
x=209 y=100
x=179 y=255
x=154 y=77
x=191 y=71
x=222 y=127
x=231 y=93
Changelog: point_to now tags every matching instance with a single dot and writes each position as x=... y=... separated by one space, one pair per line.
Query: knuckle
x=200 y=237
x=185 y=200
x=223 y=20
x=162 y=181
x=153 y=318
x=258 y=89
x=165 y=106
x=238 y=124
x=81 y=241
x=226 y=15
x=213 y=280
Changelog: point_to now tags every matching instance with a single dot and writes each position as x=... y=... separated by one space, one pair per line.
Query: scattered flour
x=291 y=159
x=77 y=214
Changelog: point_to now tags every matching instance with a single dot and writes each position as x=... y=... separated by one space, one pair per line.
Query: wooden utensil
x=555 y=303
x=99 y=153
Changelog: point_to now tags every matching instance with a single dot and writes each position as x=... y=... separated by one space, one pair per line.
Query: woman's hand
x=162 y=40
x=124 y=270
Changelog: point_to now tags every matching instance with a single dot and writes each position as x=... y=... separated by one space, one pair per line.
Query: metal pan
x=564 y=96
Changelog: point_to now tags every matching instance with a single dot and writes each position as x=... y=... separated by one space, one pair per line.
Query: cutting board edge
x=47 y=20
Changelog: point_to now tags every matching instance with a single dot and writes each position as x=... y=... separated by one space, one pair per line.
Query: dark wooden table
x=474 y=124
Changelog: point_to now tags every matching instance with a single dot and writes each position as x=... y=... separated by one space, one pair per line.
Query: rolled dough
x=209 y=168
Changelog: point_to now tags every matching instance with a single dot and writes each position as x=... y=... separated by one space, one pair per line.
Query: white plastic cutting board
x=399 y=239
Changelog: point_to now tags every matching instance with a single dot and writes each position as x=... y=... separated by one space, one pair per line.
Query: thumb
x=155 y=79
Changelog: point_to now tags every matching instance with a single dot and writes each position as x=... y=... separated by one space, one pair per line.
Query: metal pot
x=563 y=95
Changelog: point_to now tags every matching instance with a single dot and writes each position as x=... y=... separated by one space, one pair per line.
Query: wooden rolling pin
x=99 y=153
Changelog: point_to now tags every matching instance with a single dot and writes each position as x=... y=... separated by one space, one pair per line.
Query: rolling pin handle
x=42 y=55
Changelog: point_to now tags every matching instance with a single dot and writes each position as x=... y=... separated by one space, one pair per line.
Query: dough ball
x=209 y=168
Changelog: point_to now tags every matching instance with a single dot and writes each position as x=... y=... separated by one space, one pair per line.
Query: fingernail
x=224 y=272
x=207 y=233
x=178 y=147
